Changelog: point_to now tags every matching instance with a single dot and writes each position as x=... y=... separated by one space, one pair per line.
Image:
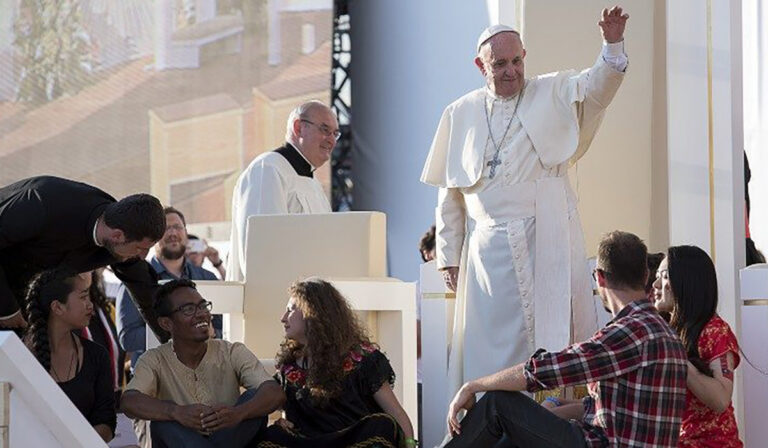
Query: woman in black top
x=58 y=305
x=337 y=383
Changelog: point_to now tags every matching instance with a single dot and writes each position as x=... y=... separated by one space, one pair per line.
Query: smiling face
x=293 y=322
x=501 y=61
x=663 y=298
x=174 y=242
x=315 y=134
x=188 y=321
x=76 y=309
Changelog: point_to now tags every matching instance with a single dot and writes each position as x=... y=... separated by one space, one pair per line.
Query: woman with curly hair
x=686 y=289
x=337 y=383
x=58 y=307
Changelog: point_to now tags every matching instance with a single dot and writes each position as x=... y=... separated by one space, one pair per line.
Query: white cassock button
x=521 y=281
x=526 y=304
x=517 y=256
x=519 y=269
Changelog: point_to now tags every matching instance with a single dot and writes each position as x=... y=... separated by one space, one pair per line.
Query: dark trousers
x=522 y=421
x=173 y=434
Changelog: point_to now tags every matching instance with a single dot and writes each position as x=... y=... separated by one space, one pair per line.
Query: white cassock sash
x=547 y=200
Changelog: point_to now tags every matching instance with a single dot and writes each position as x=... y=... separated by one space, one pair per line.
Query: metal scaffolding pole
x=341 y=102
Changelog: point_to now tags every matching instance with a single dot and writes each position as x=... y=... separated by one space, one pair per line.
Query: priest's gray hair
x=301 y=112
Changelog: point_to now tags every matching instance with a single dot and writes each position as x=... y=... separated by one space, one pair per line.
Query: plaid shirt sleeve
x=611 y=352
x=589 y=408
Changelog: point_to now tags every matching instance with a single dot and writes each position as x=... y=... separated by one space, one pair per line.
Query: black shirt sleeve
x=375 y=371
x=20 y=221
x=103 y=411
x=91 y=390
x=140 y=280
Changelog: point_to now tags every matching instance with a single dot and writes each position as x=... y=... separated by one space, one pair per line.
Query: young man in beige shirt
x=189 y=387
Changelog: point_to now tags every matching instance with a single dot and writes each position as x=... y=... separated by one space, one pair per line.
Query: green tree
x=54 y=49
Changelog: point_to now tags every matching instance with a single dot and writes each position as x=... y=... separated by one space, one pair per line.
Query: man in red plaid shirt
x=635 y=368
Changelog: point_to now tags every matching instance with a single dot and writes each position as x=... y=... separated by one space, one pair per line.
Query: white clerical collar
x=302 y=156
x=95 y=239
x=494 y=97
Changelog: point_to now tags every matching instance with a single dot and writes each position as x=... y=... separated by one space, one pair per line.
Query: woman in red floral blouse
x=686 y=288
x=337 y=383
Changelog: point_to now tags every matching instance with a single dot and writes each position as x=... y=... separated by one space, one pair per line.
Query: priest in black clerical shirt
x=281 y=181
x=47 y=221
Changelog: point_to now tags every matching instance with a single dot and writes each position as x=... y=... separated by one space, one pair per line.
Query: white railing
x=754 y=333
x=34 y=411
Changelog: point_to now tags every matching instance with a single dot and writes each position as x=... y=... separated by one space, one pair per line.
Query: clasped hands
x=208 y=419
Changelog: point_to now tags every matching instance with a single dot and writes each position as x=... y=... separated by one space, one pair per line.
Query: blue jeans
x=173 y=434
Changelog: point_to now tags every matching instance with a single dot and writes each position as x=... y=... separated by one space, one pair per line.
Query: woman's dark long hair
x=96 y=292
x=694 y=284
x=44 y=288
x=332 y=329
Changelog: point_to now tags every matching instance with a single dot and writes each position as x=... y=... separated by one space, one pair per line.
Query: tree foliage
x=54 y=49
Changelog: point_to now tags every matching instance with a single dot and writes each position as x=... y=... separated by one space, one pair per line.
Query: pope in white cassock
x=509 y=238
x=282 y=181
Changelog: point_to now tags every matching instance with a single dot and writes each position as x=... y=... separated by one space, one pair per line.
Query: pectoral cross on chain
x=493 y=164
x=496 y=160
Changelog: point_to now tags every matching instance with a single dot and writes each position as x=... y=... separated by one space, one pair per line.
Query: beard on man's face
x=170 y=254
x=604 y=302
x=111 y=248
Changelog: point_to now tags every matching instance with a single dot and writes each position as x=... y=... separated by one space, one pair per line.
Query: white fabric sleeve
x=590 y=92
x=613 y=55
x=450 y=227
x=262 y=193
x=436 y=165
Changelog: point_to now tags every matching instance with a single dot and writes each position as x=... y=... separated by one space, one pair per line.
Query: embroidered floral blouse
x=703 y=427
x=365 y=370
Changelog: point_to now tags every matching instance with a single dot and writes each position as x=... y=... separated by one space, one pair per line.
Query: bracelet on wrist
x=411 y=442
x=554 y=400
x=219 y=263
